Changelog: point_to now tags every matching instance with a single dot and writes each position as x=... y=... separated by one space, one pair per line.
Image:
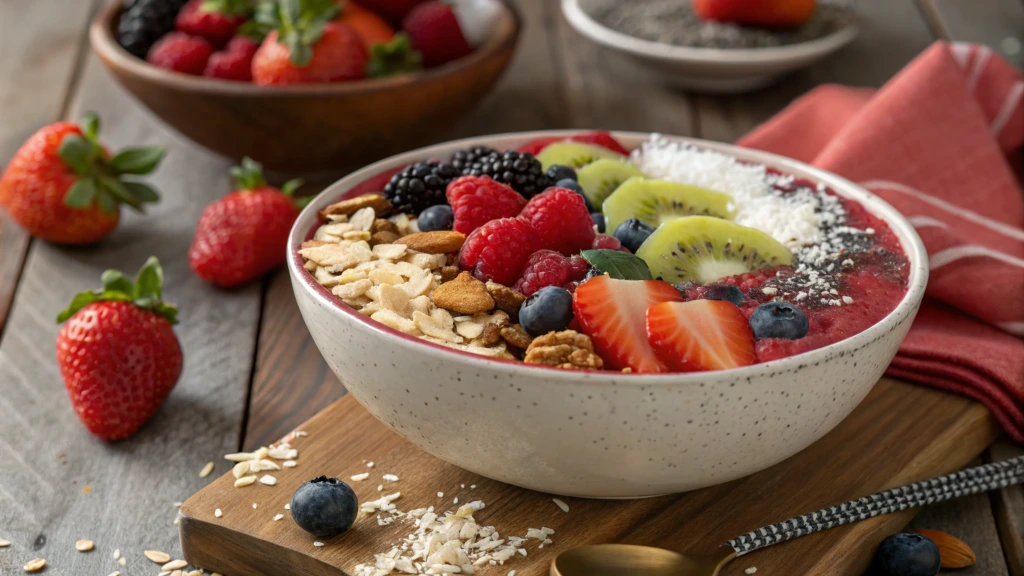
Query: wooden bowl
x=314 y=127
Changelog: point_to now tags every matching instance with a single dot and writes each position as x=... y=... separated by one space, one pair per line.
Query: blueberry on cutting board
x=324 y=507
x=906 y=555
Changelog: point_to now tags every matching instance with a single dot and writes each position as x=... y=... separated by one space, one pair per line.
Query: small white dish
x=600 y=434
x=712 y=70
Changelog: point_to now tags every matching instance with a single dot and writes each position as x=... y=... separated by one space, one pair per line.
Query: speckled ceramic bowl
x=592 y=434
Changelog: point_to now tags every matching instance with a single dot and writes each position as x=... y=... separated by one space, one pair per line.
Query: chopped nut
x=35 y=565
x=491 y=335
x=363 y=235
x=567 y=349
x=383 y=237
x=396 y=321
x=381 y=276
x=352 y=289
x=464 y=295
x=380 y=205
x=389 y=251
x=469 y=329
x=421 y=304
x=437 y=242
x=383 y=225
x=84 y=545
x=314 y=244
x=394 y=299
x=516 y=336
x=428 y=326
x=507 y=299
x=451 y=259
x=449 y=273
x=157 y=557
x=425 y=261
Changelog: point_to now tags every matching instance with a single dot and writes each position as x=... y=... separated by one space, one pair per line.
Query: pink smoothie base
x=874 y=290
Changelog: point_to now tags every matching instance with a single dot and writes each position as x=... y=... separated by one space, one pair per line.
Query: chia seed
x=673 y=22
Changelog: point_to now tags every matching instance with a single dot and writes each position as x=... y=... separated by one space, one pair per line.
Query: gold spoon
x=628 y=560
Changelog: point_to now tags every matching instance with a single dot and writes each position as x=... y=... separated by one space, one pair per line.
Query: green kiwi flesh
x=573 y=154
x=657 y=201
x=602 y=177
x=704 y=249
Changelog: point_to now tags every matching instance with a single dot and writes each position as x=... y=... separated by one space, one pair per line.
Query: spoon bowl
x=629 y=560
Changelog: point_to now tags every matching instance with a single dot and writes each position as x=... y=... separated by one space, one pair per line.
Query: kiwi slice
x=573 y=154
x=602 y=177
x=703 y=249
x=655 y=202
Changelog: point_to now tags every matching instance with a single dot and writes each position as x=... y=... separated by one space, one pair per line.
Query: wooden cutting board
x=899 y=434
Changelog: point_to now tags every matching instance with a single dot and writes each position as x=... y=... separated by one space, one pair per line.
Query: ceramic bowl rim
x=909 y=240
x=103 y=43
x=587 y=26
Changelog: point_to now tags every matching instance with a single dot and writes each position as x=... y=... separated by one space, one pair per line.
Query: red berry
x=476 y=200
x=338 y=55
x=579 y=267
x=613 y=313
x=234 y=62
x=180 y=52
x=434 y=31
x=499 y=249
x=548 y=268
x=562 y=220
x=606 y=242
x=216 y=26
x=700 y=335
x=602 y=139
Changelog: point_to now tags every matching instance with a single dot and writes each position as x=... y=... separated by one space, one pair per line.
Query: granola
x=567 y=349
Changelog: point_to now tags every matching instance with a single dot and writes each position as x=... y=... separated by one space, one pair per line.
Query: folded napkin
x=942 y=142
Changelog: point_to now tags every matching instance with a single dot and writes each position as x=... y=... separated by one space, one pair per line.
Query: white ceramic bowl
x=710 y=70
x=597 y=434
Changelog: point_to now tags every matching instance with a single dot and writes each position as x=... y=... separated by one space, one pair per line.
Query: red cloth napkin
x=942 y=142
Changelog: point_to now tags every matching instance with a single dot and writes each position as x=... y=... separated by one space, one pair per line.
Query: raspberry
x=477 y=200
x=181 y=53
x=605 y=242
x=234 y=62
x=562 y=220
x=549 y=268
x=498 y=250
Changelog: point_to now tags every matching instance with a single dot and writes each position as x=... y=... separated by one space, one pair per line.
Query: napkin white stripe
x=1009 y=106
x=949 y=255
x=984 y=53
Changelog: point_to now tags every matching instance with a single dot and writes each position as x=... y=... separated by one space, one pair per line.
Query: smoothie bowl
x=764 y=300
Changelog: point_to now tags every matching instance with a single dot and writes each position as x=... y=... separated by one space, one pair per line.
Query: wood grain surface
x=899 y=434
x=253 y=337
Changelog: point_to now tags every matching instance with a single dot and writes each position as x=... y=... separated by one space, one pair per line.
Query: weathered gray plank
x=43 y=509
x=999 y=24
x=969 y=519
x=40 y=56
x=1008 y=504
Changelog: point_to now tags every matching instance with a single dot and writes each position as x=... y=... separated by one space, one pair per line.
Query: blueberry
x=575 y=187
x=684 y=287
x=591 y=273
x=906 y=555
x=435 y=218
x=598 y=219
x=324 y=507
x=547 y=310
x=632 y=233
x=725 y=292
x=778 y=320
x=558 y=172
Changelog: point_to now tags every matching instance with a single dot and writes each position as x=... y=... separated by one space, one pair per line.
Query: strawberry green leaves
x=145 y=292
x=249 y=176
x=299 y=24
x=395 y=57
x=228 y=7
x=102 y=179
x=619 y=265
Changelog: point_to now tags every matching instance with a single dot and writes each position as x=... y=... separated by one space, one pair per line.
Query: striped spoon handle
x=969 y=481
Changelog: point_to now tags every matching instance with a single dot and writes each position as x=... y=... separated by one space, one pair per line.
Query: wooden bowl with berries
x=307 y=85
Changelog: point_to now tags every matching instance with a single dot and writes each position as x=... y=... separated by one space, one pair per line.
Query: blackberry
x=463 y=159
x=420 y=186
x=143 y=22
x=519 y=170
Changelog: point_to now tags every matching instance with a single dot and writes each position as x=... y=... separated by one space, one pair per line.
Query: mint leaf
x=620 y=265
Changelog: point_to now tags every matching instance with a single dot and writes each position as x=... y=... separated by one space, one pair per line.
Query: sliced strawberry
x=602 y=139
x=613 y=313
x=700 y=335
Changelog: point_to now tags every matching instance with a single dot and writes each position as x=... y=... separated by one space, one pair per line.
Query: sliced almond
x=206 y=470
x=245 y=481
x=174 y=565
x=268 y=480
x=240 y=469
x=35 y=565
x=84 y=545
x=157 y=556
x=363 y=219
x=953 y=552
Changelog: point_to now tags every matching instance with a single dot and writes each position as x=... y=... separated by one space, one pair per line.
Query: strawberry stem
x=145 y=292
x=393 y=58
x=299 y=24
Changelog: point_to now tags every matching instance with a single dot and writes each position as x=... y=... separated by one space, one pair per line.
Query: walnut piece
x=516 y=336
x=506 y=299
x=567 y=349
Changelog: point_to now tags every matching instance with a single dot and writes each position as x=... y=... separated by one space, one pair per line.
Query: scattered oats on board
x=289 y=463
x=115 y=573
x=117 y=554
x=84 y=545
x=561 y=504
x=254 y=506
x=35 y=565
x=217 y=513
x=390 y=478
x=750 y=570
x=440 y=494
x=122 y=561
x=360 y=477
x=318 y=544
x=278 y=517
x=369 y=464
x=4 y=543
x=157 y=557
x=268 y=480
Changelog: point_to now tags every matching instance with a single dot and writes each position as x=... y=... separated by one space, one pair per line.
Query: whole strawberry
x=304 y=46
x=393 y=10
x=215 y=20
x=63 y=186
x=117 y=352
x=435 y=32
x=243 y=235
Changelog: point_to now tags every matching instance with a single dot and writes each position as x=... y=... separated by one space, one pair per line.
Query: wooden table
x=252 y=372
